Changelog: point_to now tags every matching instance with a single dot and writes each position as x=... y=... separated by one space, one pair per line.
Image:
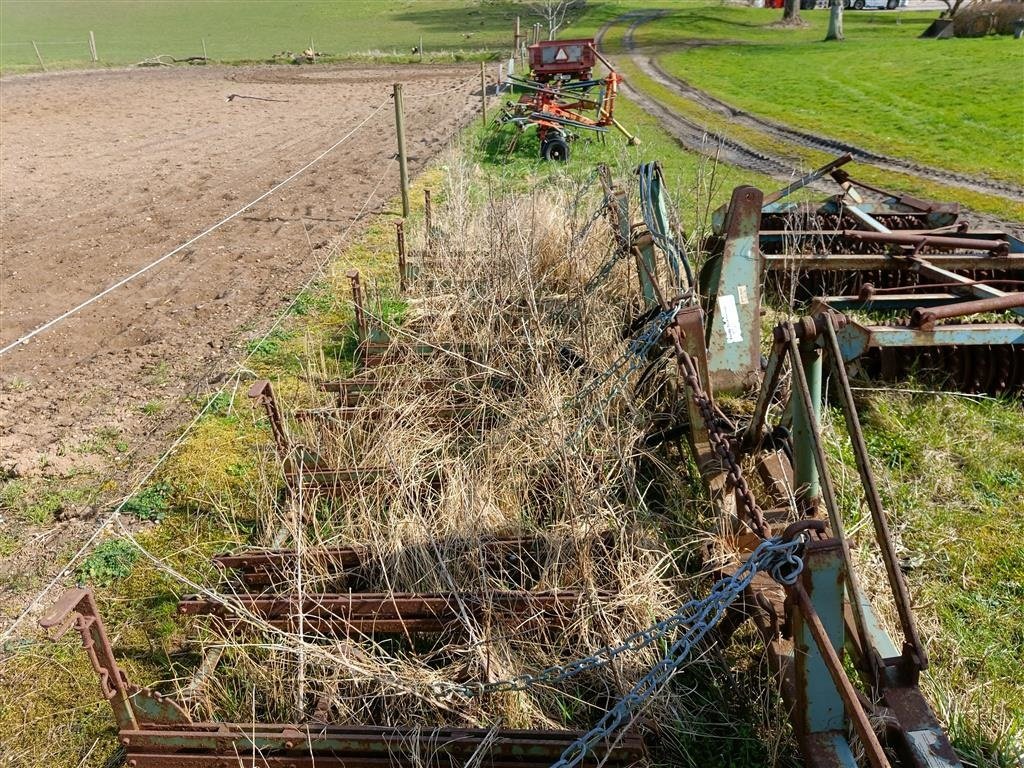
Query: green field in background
x=128 y=31
x=954 y=104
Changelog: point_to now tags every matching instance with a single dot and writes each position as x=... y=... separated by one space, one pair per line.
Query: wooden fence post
x=38 y=55
x=483 y=94
x=403 y=168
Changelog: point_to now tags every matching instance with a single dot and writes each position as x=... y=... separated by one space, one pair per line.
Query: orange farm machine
x=561 y=98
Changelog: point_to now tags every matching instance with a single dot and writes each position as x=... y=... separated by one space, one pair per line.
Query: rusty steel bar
x=925 y=318
x=468 y=409
x=428 y=216
x=929 y=241
x=395 y=613
x=861 y=723
x=856 y=262
x=217 y=745
x=263 y=393
x=878 y=517
x=357 y=304
x=77 y=607
x=263 y=567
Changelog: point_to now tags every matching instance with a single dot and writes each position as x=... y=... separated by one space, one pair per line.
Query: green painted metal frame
x=733 y=308
x=820 y=714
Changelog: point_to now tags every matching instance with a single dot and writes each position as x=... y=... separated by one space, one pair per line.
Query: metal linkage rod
x=878 y=518
x=926 y=318
x=828 y=492
x=861 y=723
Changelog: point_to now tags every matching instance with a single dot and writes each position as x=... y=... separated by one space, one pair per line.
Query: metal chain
x=779 y=558
x=720 y=444
x=580 y=236
x=634 y=358
x=773 y=555
x=596 y=280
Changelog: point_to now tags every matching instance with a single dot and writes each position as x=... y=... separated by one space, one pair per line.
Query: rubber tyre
x=892 y=5
x=858 y=5
x=555 y=149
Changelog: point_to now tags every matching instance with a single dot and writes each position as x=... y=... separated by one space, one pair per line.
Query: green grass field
x=128 y=31
x=954 y=104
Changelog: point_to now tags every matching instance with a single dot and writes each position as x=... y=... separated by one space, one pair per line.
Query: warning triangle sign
x=561 y=55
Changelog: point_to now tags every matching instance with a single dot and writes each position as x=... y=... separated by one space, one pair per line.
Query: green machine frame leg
x=733 y=291
x=805 y=469
x=819 y=708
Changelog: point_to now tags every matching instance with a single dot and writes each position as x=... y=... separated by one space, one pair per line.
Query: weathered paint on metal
x=805 y=468
x=855 y=339
x=734 y=314
x=820 y=705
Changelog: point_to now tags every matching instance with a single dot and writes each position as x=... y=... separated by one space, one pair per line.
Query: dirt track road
x=779 y=164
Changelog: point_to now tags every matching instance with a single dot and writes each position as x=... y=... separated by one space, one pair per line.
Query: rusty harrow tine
x=397 y=613
x=216 y=745
x=262 y=568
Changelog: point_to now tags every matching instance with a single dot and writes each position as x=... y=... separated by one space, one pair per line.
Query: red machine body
x=562 y=59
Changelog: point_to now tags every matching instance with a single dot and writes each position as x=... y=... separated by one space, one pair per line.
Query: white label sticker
x=741 y=295
x=730 y=318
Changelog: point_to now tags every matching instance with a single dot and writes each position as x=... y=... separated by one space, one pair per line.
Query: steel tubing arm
x=810 y=178
x=931 y=241
x=752 y=434
x=827 y=488
x=925 y=318
x=861 y=723
x=878 y=518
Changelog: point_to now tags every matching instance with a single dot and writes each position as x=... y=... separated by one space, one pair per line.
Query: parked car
x=888 y=5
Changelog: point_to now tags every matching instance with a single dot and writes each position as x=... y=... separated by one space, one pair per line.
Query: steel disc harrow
x=473 y=491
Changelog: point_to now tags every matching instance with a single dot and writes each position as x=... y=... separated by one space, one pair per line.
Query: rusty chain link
x=720 y=442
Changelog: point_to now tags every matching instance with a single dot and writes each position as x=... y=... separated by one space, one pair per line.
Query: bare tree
x=791 y=12
x=835 y=20
x=952 y=6
x=553 y=12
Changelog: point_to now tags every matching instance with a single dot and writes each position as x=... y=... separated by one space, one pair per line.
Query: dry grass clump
x=540 y=451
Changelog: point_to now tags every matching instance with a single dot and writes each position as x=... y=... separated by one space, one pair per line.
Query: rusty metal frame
x=156 y=732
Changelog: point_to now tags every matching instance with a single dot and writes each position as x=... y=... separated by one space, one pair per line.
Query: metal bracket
x=133 y=706
x=734 y=309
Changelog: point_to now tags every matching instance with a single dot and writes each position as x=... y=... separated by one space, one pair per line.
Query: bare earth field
x=104 y=172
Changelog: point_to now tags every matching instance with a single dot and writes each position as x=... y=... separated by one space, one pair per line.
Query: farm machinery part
x=789 y=569
x=156 y=732
x=560 y=98
x=715 y=339
x=337 y=606
x=872 y=260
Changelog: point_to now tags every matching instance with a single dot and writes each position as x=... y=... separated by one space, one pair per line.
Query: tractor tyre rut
x=694 y=137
